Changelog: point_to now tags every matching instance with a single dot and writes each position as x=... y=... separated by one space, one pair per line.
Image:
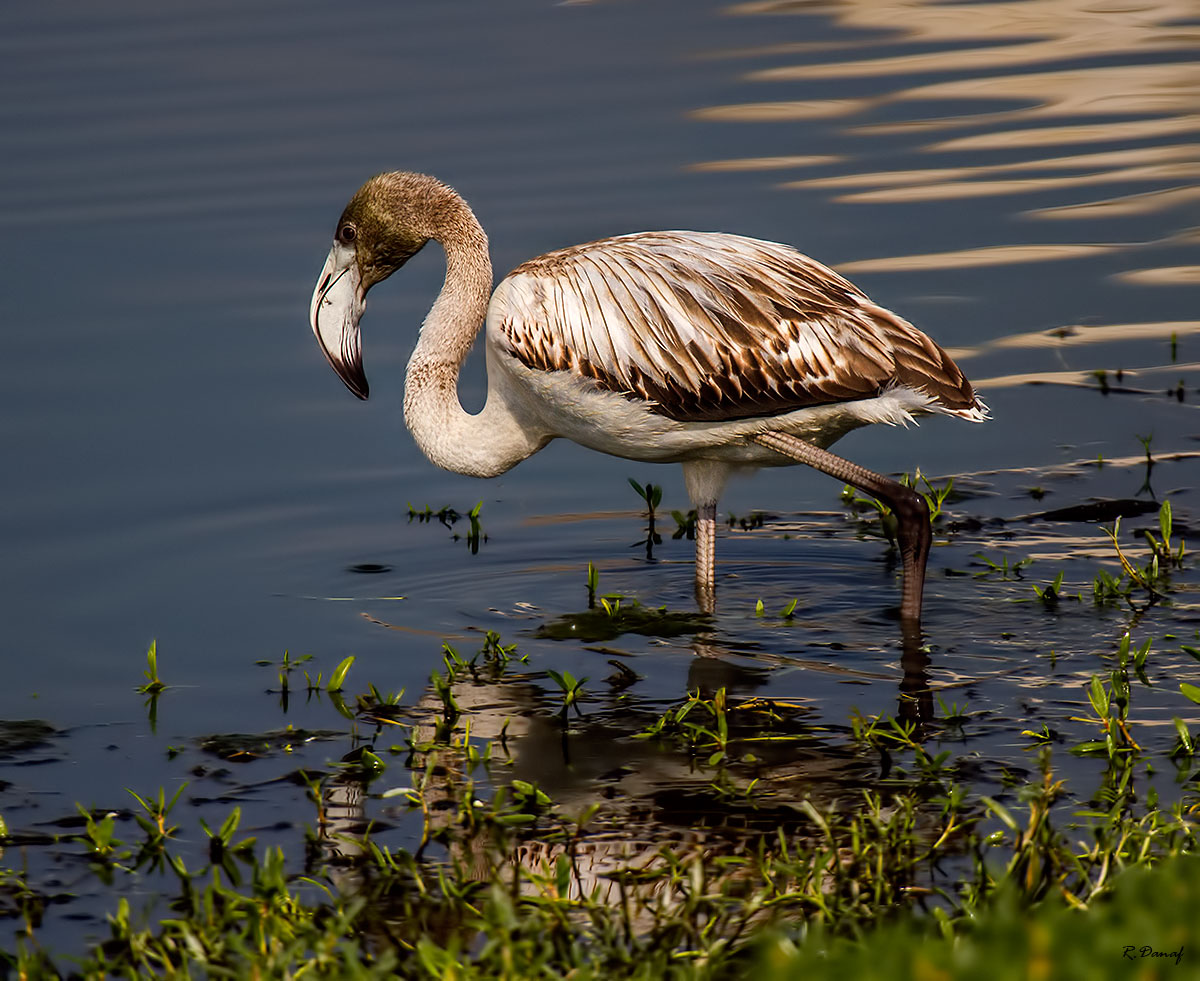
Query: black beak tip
x=357 y=383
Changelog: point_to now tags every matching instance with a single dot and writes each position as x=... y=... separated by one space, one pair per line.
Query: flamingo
x=716 y=351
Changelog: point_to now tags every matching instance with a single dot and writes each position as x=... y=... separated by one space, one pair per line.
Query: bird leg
x=706 y=547
x=705 y=479
x=912 y=513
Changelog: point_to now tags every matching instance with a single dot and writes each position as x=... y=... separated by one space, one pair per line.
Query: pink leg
x=705 y=479
x=706 y=549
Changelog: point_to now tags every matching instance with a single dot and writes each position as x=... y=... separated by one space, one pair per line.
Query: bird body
x=706 y=339
x=712 y=350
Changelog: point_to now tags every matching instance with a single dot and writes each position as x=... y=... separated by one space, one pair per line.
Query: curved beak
x=337 y=305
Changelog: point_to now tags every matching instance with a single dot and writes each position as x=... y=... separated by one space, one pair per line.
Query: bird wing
x=707 y=326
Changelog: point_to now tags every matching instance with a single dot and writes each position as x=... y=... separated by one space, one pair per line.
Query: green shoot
x=651 y=494
x=153 y=683
x=593 y=583
x=572 y=689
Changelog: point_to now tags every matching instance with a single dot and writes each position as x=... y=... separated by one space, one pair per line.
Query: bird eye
x=347 y=233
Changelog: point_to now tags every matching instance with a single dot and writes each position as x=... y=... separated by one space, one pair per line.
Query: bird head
x=386 y=223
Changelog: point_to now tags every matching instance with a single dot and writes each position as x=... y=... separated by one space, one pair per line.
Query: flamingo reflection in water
x=652 y=803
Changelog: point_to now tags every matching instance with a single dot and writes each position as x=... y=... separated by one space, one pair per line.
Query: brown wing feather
x=705 y=326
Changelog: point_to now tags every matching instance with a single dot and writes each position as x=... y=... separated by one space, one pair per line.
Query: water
x=1018 y=179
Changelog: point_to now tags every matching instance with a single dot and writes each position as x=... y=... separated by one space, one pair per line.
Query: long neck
x=482 y=445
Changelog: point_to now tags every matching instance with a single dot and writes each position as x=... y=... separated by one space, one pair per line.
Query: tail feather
x=923 y=364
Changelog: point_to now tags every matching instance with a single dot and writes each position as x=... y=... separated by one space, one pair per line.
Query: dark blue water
x=1018 y=179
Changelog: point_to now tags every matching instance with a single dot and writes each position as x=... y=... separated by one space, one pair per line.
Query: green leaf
x=815 y=816
x=340 y=706
x=1185 y=737
x=1191 y=691
x=1001 y=812
x=339 y=674
x=1098 y=697
x=372 y=763
x=507 y=819
x=1123 y=650
x=230 y=825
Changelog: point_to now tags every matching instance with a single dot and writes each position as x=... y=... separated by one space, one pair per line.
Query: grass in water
x=914 y=875
x=920 y=860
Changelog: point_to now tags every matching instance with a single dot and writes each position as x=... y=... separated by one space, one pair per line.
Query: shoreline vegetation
x=777 y=846
x=915 y=876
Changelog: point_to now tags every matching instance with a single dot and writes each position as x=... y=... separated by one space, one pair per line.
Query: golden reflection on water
x=1108 y=132
x=915 y=185
x=1082 y=334
x=996 y=36
x=1091 y=336
x=1077 y=467
x=1166 y=275
x=995 y=255
x=1079 y=378
x=769 y=163
x=1033 y=75
x=1124 y=206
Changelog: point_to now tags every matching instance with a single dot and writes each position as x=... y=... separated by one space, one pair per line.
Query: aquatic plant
x=651 y=494
x=511 y=889
x=154 y=684
x=935 y=498
x=1001 y=567
x=448 y=516
x=1153 y=579
x=685 y=525
x=571 y=688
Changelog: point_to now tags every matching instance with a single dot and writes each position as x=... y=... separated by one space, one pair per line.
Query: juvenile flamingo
x=716 y=351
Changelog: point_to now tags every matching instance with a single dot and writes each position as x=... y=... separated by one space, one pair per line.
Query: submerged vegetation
x=516 y=820
x=900 y=866
x=449 y=517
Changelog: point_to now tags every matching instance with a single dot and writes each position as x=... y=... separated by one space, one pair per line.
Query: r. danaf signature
x=1134 y=952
